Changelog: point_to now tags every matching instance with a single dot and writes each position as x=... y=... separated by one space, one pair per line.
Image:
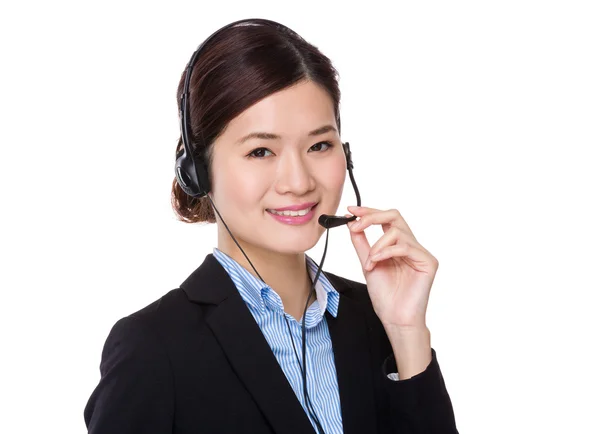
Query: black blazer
x=195 y=361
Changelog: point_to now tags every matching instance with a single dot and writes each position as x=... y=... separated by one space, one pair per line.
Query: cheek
x=337 y=175
x=239 y=189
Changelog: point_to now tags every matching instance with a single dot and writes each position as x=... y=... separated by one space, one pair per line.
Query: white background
x=478 y=120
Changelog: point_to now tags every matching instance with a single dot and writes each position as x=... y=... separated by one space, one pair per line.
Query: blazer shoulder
x=136 y=375
x=172 y=305
x=165 y=318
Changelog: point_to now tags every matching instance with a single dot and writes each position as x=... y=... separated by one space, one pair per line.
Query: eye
x=258 y=153
x=329 y=145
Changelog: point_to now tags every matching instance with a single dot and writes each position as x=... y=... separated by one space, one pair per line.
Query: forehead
x=290 y=112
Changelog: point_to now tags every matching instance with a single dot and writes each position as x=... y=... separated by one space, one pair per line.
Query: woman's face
x=276 y=154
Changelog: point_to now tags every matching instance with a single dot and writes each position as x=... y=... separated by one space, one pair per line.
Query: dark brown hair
x=237 y=68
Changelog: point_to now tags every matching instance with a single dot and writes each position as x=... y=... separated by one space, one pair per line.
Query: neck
x=286 y=274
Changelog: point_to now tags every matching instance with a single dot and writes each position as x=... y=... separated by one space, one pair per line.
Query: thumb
x=360 y=243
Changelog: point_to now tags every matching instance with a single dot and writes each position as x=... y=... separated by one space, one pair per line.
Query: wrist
x=411 y=347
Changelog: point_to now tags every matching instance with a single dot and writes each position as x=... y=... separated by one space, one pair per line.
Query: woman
x=288 y=349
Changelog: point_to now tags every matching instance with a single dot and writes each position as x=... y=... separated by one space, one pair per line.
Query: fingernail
x=376 y=256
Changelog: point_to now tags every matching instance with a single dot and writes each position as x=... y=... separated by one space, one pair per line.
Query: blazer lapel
x=351 y=349
x=246 y=348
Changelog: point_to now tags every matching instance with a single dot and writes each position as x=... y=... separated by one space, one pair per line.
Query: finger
x=417 y=259
x=375 y=217
x=386 y=219
x=361 y=244
x=391 y=237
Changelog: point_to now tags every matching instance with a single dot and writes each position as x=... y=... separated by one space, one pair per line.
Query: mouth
x=288 y=213
x=294 y=218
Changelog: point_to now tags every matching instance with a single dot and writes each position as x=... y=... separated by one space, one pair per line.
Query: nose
x=294 y=175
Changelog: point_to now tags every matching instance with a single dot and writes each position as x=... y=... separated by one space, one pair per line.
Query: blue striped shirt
x=267 y=309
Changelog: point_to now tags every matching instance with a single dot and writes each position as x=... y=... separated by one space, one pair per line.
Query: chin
x=290 y=243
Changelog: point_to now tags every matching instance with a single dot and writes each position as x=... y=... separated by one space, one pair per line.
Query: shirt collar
x=251 y=288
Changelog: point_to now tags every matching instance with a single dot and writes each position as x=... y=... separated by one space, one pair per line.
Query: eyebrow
x=270 y=136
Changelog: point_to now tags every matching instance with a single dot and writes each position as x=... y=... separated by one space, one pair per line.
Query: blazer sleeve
x=135 y=393
x=420 y=404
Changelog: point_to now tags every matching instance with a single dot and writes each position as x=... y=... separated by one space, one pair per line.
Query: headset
x=191 y=172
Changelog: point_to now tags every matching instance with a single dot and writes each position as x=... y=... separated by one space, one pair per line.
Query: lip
x=295 y=207
x=299 y=220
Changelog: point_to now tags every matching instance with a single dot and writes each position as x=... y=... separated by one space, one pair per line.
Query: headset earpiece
x=191 y=173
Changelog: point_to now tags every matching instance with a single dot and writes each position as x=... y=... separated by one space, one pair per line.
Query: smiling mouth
x=288 y=213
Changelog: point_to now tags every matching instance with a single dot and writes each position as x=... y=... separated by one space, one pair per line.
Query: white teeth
x=291 y=213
